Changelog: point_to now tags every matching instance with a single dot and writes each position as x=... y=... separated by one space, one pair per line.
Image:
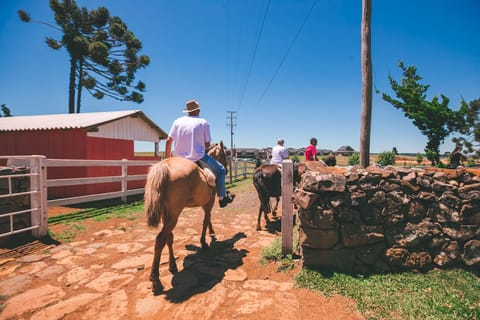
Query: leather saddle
x=208 y=172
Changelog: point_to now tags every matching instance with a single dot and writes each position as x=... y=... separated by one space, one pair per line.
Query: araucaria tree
x=104 y=54
x=434 y=118
x=5 y=111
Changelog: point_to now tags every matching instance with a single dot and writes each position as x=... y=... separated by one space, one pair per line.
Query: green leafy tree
x=434 y=118
x=469 y=126
x=104 y=54
x=5 y=111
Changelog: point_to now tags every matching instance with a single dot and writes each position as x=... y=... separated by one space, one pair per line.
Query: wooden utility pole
x=366 y=118
x=231 y=122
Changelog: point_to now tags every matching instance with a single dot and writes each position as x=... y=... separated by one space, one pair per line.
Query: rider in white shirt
x=279 y=152
x=191 y=135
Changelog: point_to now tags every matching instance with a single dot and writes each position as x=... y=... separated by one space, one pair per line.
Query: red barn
x=91 y=136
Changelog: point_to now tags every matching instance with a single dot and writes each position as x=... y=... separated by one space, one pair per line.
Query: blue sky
x=282 y=71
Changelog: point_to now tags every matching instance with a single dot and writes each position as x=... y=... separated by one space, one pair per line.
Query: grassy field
x=436 y=295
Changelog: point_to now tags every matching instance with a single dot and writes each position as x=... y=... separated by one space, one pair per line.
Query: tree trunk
x=79 y=87
x=71 y=86
x=366 y=84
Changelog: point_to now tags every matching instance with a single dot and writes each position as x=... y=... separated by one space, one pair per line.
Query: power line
x=254 y=54
x=288 y=50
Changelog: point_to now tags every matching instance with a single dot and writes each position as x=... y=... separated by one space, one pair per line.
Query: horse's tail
x=155 y=192
x=262 y=190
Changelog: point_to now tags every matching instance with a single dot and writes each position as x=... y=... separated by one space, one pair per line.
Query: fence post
x=124 y=180
x=236 y=168
x=230 y=162
x=38 y=200
x=287 y=206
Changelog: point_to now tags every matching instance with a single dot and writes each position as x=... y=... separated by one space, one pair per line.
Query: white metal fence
x=39 y=184
x=240 y=169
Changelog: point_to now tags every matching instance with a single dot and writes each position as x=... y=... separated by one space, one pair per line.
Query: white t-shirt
x=189 y=134
x=278 y=154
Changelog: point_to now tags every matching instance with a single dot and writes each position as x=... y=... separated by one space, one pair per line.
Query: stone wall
x=388 y=219
x=14 y=203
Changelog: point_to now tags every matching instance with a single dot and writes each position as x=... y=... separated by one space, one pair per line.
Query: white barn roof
x=130 y=124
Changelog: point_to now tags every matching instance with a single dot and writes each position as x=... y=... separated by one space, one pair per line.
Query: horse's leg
x=210 y=229
x=172 y=265
x=157 y=286
x=274 y=212
x=207 y=210
x=259 y=227
x=160 y=241
x=267 y=220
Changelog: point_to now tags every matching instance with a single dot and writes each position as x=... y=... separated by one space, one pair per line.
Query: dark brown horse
x=173 y=184
x=267 y=180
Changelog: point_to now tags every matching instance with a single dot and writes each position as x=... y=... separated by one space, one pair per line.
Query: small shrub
x=441 y=165
x=386 y=158
x=419 y=158
x=354 y=159
x=471 y=162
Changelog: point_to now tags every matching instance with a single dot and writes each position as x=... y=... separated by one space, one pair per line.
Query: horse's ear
x=221 y=144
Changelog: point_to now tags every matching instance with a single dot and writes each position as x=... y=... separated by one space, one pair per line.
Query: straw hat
x=191 y=105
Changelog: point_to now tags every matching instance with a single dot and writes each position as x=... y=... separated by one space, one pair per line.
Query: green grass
x=240 y=185
x=73 y=220
x=130 y=211
x=438 y=294
x=274 y=253
x=69 y=234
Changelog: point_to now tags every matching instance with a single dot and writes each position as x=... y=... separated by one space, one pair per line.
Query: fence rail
x=241 y=169
x=39 y=184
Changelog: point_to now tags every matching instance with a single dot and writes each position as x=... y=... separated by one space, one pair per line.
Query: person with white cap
x=279 y=152
x=190 y=135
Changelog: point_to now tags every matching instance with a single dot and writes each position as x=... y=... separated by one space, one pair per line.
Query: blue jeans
x=219 y=171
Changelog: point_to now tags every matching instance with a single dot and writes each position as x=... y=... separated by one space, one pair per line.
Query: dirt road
x=104 y=274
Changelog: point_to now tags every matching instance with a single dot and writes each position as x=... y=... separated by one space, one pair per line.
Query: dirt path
x=104 y=274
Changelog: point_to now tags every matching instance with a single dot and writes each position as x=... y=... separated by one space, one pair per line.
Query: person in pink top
x=311 y=151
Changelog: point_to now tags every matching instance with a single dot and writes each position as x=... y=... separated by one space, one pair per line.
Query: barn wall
x=74 y=144
x=55 y=144
x=106 y=149
x=66 y=144
x=113 y=149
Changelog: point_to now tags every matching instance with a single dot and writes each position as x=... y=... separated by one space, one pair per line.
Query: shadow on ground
x=203 y=269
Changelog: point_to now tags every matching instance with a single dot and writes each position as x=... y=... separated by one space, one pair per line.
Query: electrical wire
x=288 y=50
x=254 y=54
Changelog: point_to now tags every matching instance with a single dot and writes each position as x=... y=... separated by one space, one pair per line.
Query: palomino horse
x=173 y=184
x=267 y=180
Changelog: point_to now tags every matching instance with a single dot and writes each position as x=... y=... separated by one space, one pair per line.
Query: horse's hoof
x=205 y=246
x=274 y=213
x=157 y=288
x=259 y=228
x=173 y=269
